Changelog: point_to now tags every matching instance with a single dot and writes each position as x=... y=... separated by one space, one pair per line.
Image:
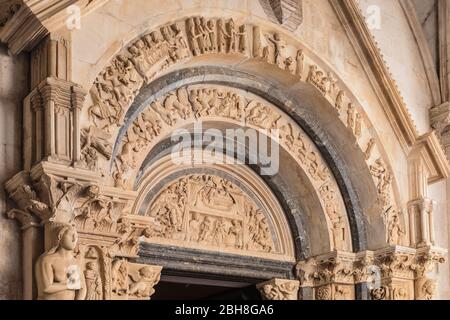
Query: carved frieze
x=132 y=281
x=396 y=273
x=118 y=84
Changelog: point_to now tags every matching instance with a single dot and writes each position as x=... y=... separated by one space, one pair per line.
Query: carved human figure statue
x=93 y=282
x=58 y=273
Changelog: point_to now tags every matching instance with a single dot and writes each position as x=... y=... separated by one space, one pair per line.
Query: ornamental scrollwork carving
x=185 y=104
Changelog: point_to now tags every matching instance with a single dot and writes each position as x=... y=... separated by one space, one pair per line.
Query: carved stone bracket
x=279 y=289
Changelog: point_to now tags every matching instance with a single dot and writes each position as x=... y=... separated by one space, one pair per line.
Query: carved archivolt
x=119 y=83
x=79 y=270
x=209 y=103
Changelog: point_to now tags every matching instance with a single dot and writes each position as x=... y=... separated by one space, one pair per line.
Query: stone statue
x=58 y=273
x=93 y=282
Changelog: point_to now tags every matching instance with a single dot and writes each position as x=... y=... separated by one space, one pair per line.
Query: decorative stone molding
x=36 y=19
x=330 y=276
x=279 y=289
x=288 y=13
x=211 y=211
x=421 y=222
x=444 y=52
x=424 y=50
x=394 y=273
x=366 y=48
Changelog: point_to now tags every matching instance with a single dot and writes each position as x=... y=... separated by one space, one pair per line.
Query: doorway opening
x=196 y=288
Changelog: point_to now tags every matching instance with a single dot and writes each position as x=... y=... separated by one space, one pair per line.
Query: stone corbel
x=279 y=289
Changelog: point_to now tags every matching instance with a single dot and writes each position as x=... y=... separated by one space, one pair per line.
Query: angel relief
x=210 y=212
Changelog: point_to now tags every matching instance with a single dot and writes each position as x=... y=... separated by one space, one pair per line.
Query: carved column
x=52 y=110
x=27 y=215
x=420 y=207
x=426 y=260
x=279 y=289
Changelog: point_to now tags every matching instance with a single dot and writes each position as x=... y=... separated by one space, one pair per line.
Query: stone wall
x=13 y=88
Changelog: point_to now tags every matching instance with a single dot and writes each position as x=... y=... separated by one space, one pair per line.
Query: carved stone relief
x=395 y=273
x=116 y=87
x=210 y=102
x=118 y=84
x=279 y=289
x=72 y=271
x=210 y=212
x=131 y=281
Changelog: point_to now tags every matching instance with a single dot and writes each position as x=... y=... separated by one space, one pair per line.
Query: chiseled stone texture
x=13 y=88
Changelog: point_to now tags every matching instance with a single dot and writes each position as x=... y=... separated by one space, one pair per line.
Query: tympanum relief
x=209 y=212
